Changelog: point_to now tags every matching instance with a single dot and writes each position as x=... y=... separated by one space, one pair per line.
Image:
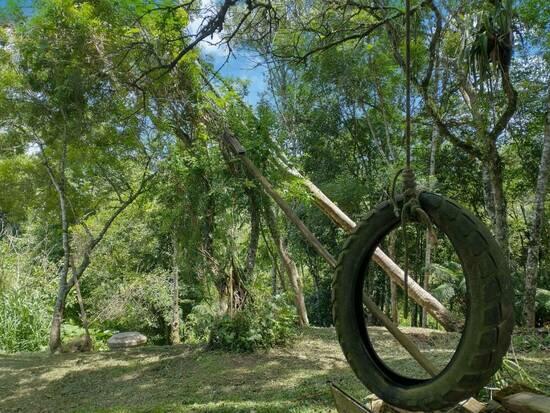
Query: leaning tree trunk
x=533 y=251
x=289 y=266
x=252 y=251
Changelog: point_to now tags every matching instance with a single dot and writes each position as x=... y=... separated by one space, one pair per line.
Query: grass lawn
x=191 y=379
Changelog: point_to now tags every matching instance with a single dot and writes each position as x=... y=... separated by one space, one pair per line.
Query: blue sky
x=242 y=65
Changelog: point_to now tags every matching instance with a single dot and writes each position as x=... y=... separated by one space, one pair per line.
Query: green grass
x=191 y=379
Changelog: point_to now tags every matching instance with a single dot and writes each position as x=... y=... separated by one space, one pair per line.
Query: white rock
x=124 y=340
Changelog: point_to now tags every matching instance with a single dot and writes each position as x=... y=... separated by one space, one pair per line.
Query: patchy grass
x=190 y=379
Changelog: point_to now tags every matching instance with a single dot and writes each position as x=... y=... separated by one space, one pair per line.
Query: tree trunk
x=57 y=319
x=289 y=266
x=317 y=282
x=428 y=251
x=87 y=345
x=254 y=209
x=535 y=231
x=488 y=197
x=175 y=324
x=392 y=243
x=63 y=290
x=274 y=288
x=499 y=199
x=414 y=311
x=394 y=311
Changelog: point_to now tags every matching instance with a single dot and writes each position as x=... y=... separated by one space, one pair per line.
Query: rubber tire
x=489 y=319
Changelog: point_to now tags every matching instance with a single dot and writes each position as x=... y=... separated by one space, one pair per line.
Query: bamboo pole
x=402 y=338
x=405 y=341
x=396 y=274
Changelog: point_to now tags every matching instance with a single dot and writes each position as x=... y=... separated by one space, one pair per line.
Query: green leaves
x=256 y=327
x=492 y=43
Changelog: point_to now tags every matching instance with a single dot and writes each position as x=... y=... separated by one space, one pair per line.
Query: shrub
x=255 y=327
x=24 y=321
x=198 y=324
x=99 y=337
x=528 y=339
x=141 y=303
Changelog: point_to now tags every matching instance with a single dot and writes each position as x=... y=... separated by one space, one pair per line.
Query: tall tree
x=536 y=226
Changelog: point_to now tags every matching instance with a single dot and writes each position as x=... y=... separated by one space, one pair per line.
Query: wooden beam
x=416 y=292
x=402 y=338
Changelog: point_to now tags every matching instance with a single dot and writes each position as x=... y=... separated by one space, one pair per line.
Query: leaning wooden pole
x=416 y=292
x=404 y=340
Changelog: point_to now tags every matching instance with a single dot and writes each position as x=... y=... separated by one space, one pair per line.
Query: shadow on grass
x=190 y=379
x=176 y=379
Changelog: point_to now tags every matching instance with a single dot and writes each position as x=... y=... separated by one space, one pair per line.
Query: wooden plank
x=401 y=337
x=472 y=405
x=526 y=402
x=234 y=143
x=346 y=403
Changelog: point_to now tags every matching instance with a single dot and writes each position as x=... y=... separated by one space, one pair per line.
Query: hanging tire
x=489 y=317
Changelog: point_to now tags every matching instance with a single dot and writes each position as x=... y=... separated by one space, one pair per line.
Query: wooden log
x=472 y=405
x=346 y=403
x=401 y=337
x=526 y=402
x=416 y=292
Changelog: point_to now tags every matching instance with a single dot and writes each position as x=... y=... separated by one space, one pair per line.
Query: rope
x=409 y=182
x=408 y=80
x=411 y=210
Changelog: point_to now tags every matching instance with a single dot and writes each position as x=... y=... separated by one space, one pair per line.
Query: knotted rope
x=411 y=210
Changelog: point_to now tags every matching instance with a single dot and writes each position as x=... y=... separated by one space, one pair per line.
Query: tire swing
x=489 y=315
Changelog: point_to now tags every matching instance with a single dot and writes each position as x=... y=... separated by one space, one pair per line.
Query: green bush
x=530 y=340
x=99 y=337
x=142 y=302
x=255 y=327
x=198 y=324
x=24 y=321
